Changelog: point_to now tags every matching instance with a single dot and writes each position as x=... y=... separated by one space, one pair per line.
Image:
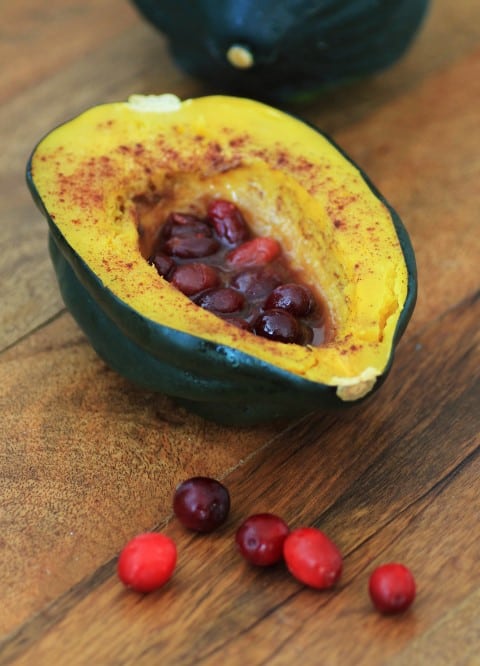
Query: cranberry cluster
x=220 y=266
x=202 y=504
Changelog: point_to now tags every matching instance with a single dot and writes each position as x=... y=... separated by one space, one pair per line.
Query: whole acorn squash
x=292 y=183
x=284 y=50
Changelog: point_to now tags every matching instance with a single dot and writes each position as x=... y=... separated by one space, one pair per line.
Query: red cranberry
x=294 y=298
x=183 y=224
x=392 y=588
x=201 y=504
x=238 y=322
x=164 y=265
x=147 y=562
x=227 y=221
x=194 y=277
x=221 y=300
x=277 y=325
x=190 y=247
x=255 y=252
x=260 y=539
x=255 y=283
x=312 y=558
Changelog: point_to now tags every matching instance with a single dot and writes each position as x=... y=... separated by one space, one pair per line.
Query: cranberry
x=277 y=325
x=194 y=277
x=392 y=588
x=190 y=247
x=294 y=298
x=312 y=558
x=182 y=224
x=227 y=221
x=164 y=265
x=201 y=504
x=260 y=538
x=255 y=252
x=255 y=283
x=238 y=322
x=222 y=300
x=147 y=562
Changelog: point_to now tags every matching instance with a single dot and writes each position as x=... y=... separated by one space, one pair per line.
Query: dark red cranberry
x=256 y=252
x=183 y=224
x=227 y=221
x=190 y=247
x=312 y=558
x=256 y=283
x=392 y=588
x=164 y=265
x=194 y=277
x=221 y=300
x=260 y=538
x=277 y=325
x=238 y=322
x=294 y=298
x=201 y=503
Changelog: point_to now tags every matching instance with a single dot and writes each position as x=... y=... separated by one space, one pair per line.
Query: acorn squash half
x=291 y=182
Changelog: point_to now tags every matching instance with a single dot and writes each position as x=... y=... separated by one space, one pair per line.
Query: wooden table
x=87 y=460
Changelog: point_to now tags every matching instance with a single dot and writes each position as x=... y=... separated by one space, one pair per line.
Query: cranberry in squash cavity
x=255 y=283
x=260 y=539
x=312 y=558
x=227 y=221
x=190 y=247
x=222 y=300
x=238 y=322
x=194 y=277
x=147 y=562
x=277 y=325
x=392 y=588
x=294 y=298
x=183 y=225
x=164 y=265
x=255 y=252
x=201 y=503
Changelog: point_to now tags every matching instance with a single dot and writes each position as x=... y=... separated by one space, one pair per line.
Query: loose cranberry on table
x=392 y=588
x=147 y=562
x=260 y=538
x=201 y=504
x=312 y=558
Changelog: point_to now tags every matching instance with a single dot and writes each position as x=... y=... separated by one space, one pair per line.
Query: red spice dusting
x=339 y=224
x=238 y=142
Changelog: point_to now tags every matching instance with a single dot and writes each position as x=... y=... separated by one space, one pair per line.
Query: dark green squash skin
x=217 y=382
x=300 y=47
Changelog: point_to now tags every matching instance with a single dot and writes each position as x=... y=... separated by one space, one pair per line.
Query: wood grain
x=87 y=460
x=386 y=494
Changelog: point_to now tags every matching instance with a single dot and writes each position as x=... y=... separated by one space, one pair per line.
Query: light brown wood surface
x=87 y=460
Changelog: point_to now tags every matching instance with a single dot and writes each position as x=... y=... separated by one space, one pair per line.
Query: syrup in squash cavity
x=221 y=265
